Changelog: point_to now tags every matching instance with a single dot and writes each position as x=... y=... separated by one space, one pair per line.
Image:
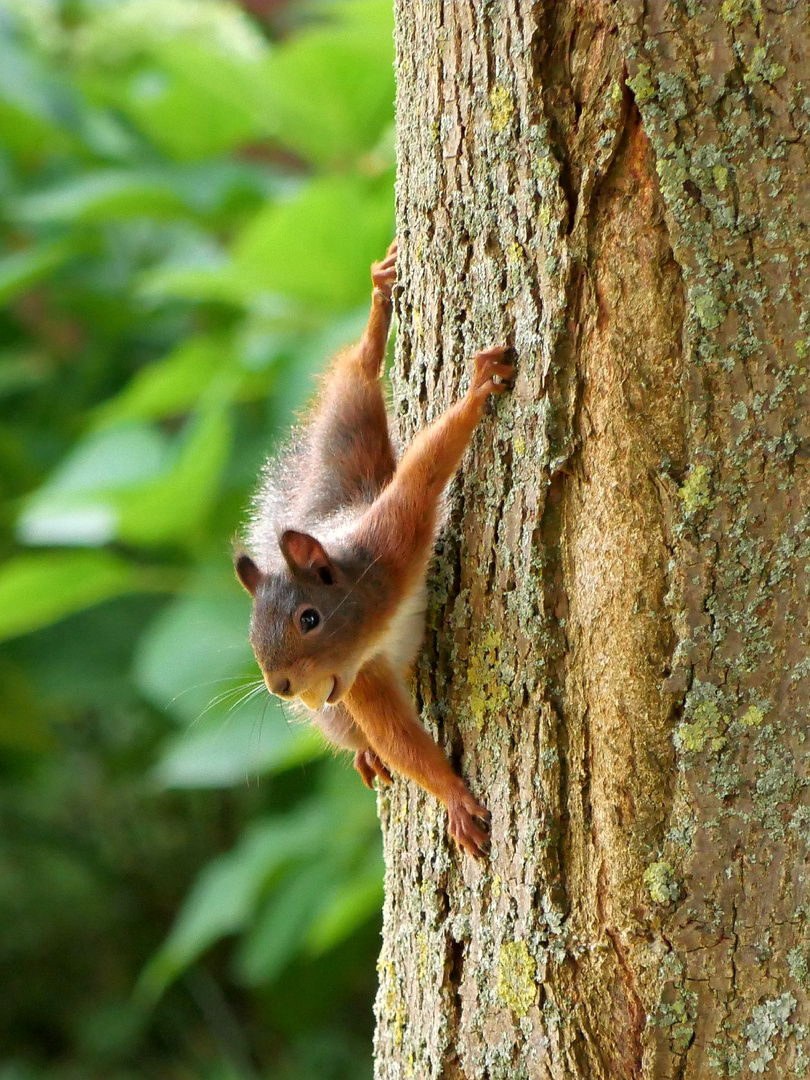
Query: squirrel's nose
x=282 y=688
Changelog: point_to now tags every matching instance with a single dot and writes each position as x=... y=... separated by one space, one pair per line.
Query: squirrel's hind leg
x=351 y=441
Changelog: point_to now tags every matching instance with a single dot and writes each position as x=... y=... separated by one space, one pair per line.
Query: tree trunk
x=617 y=650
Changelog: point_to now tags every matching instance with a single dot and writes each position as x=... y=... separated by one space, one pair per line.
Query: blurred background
x=191 y=192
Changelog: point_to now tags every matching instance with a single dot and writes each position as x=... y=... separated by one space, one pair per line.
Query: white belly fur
x=403 y=638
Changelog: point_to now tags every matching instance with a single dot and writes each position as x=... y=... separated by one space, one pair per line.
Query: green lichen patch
x=798 y=966
x=679 y=1017
x=488 y=690
x=752 y=717
x=720 y=177
x=706 y=726
x=516 y=974
x=725 y=1056
x=800 y=824
x=762 y=69
x=696 y=491
x=641 y=84
x=709 y=308
x=660 y=881
x=734 y=11
x=769 y=1021
x=502 y=106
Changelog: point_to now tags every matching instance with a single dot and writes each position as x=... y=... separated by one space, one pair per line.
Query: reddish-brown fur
x=346 y=462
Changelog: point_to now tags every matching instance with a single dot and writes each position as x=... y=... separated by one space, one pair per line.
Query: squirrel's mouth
x=336 y=693
x=327 y=691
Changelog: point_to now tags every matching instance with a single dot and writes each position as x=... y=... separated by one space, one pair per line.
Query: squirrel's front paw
x=369 y=765
x=463 y=813
x=384 y=274
x=489 y=365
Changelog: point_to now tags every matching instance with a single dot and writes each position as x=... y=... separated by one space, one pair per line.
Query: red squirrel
x=339 y=543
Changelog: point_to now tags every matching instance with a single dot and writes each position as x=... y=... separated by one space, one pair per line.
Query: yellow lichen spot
x=733 y=11
x=752 y=717
x=398 y=1026
x=497 y=882
x=720 y=174
x=697 y=489
x=488 y=692
x=710 y=309
x=704 y=728
x=801 y=351
x=516 y=971
x=616 y=92
x=502 y=107
x=762 y=69
x=544 y=215
x=388 y=978
x=520 y=446
x=417 y=320
x=410 y=1065
x=421 y=956
x=545 y=168
x=641 y=85
x=660 y=880
x=514 y=252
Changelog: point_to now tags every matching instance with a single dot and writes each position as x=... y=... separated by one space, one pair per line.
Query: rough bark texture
x=617 y=652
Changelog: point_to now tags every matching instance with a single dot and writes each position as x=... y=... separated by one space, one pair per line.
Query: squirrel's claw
x=369 y=765
x=489 y=365
x=384 y=273
x=462 y=813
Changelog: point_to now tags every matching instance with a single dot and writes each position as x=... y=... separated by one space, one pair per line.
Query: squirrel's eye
x=309 y=619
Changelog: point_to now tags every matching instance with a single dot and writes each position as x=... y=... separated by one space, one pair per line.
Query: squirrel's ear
x=248 y=573
x=304 y=554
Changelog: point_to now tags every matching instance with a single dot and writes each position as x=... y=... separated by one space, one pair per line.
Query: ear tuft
x=248 y=573
x=305 y=555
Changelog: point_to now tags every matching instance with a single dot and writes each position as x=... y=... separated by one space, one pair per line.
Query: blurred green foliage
x=191 y=192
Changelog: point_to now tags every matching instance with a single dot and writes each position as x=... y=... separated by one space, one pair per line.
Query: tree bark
x=617 y=651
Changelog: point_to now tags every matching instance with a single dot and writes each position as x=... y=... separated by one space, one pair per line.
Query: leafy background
x=191 y=192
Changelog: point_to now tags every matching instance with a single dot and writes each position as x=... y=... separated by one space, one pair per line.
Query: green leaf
x=231 y=750
x=173 y=507
x=319 y=246
x=127 y=483
x=109 y=460
x=211 y=281
x=350 y=904
x=161 y=103
x=172 y=385
x=332 y=88
x=36 y=590
x=75 y=505
x=281 y=928
x=102 y=196
x=194 y=650
x=39 y=114
x=189 y=73
x=18 y=272
x=226 y=894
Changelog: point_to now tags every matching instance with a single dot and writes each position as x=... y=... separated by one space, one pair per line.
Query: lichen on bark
x=616 y=652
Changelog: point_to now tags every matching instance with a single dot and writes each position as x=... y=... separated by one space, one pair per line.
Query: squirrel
x=340 y=539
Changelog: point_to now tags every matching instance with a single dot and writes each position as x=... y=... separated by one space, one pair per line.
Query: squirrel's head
x=312 y=620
